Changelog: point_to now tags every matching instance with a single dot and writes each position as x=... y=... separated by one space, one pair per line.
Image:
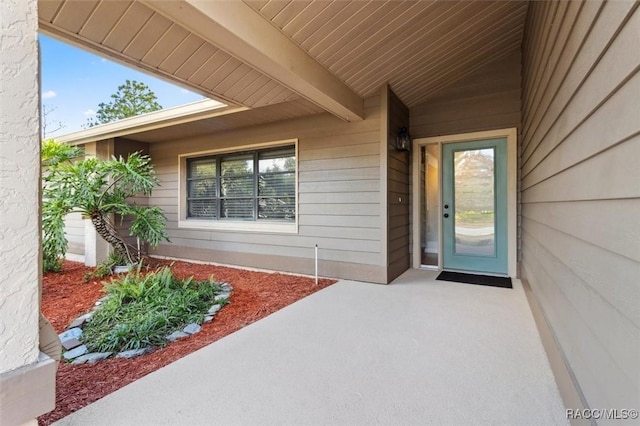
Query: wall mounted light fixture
x=403 y=140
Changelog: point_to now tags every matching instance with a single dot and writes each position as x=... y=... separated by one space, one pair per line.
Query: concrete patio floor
x=418 y=351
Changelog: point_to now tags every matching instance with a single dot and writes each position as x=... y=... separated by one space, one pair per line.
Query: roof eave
x=150 y=121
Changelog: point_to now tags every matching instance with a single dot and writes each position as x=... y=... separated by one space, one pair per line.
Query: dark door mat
x=459 y=277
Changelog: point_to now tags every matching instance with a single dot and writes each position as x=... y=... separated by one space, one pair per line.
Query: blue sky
x=75 y=81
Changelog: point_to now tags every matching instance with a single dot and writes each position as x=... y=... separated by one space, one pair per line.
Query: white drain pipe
x=316 y=264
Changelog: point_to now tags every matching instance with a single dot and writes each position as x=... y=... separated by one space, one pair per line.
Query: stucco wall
x=19 y=184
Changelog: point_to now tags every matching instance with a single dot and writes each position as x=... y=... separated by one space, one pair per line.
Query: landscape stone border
x=77 y=353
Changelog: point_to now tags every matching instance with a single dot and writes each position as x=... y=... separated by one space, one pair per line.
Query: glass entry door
x=474 y=206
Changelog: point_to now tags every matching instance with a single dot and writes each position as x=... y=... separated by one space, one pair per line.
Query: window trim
x=230 y=224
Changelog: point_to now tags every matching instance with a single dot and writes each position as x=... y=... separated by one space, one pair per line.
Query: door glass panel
x=429 y=208
x=474 y=196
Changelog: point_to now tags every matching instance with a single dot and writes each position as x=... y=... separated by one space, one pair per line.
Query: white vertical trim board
x=512 y=188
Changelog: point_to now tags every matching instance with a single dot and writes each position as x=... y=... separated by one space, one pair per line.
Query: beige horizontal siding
x=596 y=36
x=398 y=205
x=593 y=178
x=338 y=198
x=340 y=221
x=486 y=100
x=589 y=357
x=342 y=186
x=604 y=231
x=342 y=232
x=326 y=268
x=580 y=189
x=312 y=198
x=360 y=173
x=360 y=161
x=572 y=251
x=337 y=248
x=356 y=147
x=74 y=232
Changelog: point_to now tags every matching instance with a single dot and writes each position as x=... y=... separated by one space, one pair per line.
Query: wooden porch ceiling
x=261 y=52
x=419 y=47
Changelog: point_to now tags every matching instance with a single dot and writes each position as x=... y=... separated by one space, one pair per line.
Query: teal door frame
x=493 y=256
x=511 y=135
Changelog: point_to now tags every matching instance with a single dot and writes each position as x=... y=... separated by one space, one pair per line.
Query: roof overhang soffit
x=237 y=29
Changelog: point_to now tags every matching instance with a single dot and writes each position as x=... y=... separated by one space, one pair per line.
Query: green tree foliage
x=54 y=242
x=474 y=176
x=236 y=187
x=276 y=189
x=100 y=189
x=132 y=98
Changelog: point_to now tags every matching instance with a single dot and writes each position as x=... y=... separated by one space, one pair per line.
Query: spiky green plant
x=142 y=309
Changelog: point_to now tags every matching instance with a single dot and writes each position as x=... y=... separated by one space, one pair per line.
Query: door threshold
x=429 y=268
x=466 y=271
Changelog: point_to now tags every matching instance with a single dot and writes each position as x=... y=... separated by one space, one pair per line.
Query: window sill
x=241 y=226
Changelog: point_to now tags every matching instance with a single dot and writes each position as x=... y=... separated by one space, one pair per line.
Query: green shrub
x=105 y=267
x=54 y=155
x=51 y=263
x=142 y=309
x=98 y=189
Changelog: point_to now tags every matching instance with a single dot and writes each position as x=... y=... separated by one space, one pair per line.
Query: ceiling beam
x=237 y=29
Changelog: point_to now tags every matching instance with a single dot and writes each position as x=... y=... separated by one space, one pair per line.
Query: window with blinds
x=256 y=185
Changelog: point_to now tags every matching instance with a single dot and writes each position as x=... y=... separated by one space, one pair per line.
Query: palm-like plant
x=54 y=241
x=101 y=188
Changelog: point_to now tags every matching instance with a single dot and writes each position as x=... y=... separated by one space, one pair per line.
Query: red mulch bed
x=65 y=296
